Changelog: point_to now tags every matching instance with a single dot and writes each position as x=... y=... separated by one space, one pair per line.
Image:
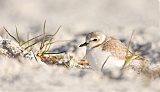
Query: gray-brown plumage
x=101 y=48
x=117 y=48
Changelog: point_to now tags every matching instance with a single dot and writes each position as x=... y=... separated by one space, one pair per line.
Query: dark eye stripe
x=94 y=39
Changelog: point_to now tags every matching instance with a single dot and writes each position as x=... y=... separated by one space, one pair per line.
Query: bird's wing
x=117 y=48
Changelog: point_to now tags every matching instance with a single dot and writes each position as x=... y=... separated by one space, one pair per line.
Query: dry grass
x=44 y=48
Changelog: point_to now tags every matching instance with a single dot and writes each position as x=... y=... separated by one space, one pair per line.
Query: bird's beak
x=84 y=44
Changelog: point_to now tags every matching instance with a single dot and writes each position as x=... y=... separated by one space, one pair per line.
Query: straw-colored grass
x=45 y=45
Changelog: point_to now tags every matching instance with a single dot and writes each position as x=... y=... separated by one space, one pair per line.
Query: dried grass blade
x=18 y=36
x=10 y=34
x=31 y=45
x=130 y=40
x=56 y=31
x=44 y=35
x=35 y=56
x=57 y=41
x=54 y=52
x=31 y=39
x=50 y=40
x=104 y=63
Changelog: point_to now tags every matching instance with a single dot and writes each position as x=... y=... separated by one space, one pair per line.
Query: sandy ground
x=77 y=18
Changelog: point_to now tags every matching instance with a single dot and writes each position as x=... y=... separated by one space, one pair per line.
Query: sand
x=77 y=19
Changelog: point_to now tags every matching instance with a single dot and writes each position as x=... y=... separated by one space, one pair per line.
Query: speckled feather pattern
x=115 y=47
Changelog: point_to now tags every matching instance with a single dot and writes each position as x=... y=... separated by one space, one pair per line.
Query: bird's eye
x=94 y=39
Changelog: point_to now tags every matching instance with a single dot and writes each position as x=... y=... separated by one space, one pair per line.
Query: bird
x=108 y=53
x=104 y=52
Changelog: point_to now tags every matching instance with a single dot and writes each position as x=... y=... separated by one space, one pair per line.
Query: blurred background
x=116 y=18
x=77 y=16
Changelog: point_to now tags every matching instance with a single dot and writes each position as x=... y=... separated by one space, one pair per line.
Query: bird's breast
x=96 y=58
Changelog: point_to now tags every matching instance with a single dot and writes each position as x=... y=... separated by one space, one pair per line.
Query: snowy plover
x=103 y=50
